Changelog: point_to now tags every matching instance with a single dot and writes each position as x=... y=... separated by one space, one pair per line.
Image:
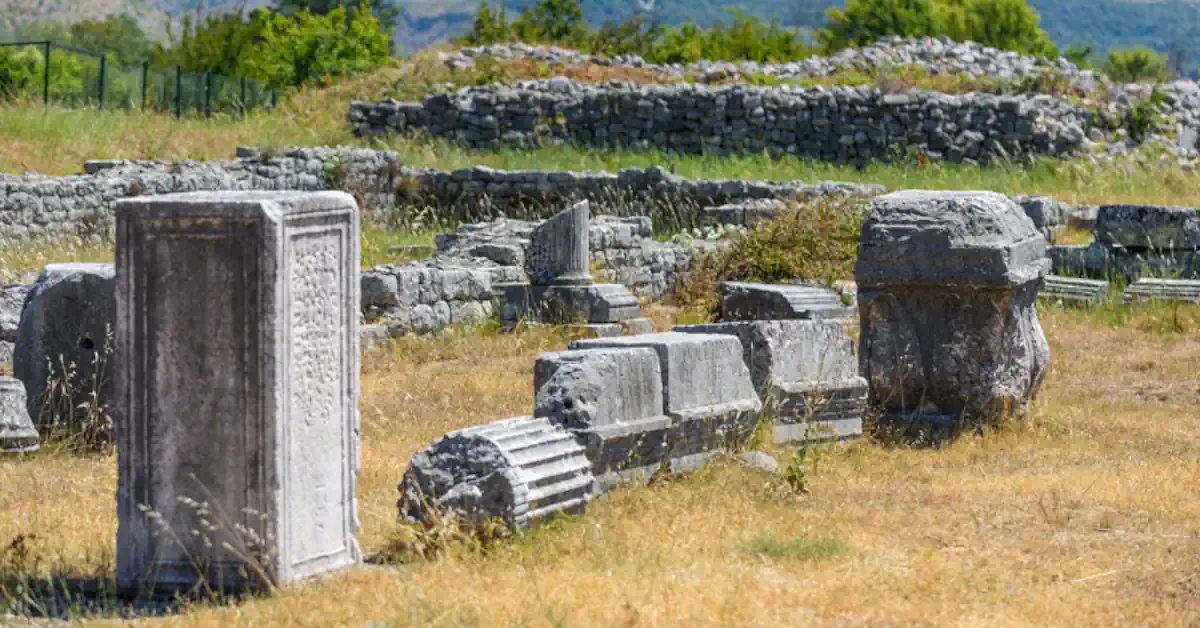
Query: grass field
x=1086 y=514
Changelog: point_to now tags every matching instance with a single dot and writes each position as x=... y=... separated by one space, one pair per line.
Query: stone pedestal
x=17 y=433
x=946 y=289
x=237 y=352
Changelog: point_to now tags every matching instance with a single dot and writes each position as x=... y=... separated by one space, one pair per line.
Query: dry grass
x=1086 y=515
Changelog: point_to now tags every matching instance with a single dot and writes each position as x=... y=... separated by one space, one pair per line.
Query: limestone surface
x=65 y=334
x=17 y=433
x=946 y=289
x=1073 y=290
x=237 y=362
x=1183 y=290
x=558 y=252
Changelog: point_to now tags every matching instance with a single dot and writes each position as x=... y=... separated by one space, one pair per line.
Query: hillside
x=1104 y=23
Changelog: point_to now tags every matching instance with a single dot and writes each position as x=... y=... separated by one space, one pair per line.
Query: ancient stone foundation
x=1163 y=290
x=237 y=389
x=946 y=289
x=1073 y=290
x=758 y=301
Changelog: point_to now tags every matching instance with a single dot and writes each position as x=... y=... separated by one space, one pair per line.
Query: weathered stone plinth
x=707 y=391
x=805 y=372
x=611 y=401
x=17 y=433
x=517 y=470
x=237 y=353
x=946 y=289
x=67 y=320
x=760 y=302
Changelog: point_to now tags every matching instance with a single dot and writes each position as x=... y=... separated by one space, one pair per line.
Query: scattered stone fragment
x=17 y=433
x=1182 y=290
x=1074 y=290
x=758 y=301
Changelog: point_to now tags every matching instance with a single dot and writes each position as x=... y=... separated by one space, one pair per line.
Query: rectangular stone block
x=1149 y=227
x=597 y=304
x=237 y=356
x=805 y=372
x=612 y=402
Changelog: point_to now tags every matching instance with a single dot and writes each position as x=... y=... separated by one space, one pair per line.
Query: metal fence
x=73 y=77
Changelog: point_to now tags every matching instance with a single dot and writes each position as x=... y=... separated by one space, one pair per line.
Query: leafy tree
x=1003 y=24
x=119 y=36
x=1136 y=65
x=385 y=11
x=220 y=43
x=866 y=21
x=489 y=27
x=553 y=20
x=313 y=48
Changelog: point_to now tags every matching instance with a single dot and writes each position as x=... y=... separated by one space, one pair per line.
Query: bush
x=746 y=38
x=1136 y=65
x=866 y=21
x=1003 y=24
x=20 y=72
x=317 y=48
x=815 y=242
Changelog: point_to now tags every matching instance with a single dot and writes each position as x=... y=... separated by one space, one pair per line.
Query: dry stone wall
x=841 y=124
x=38 y=206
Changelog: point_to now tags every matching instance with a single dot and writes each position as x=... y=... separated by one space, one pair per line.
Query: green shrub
x=866 y=21
x=1136 y=65
x=813 y=242
x=316 y=48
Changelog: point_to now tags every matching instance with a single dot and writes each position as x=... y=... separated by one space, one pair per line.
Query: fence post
x=103 y=67
x=46 y=77
x=179 y=91
x=242 y=106
x=145 y=81
x=208 y=94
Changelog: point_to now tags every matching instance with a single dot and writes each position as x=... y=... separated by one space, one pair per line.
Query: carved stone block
x=237 y=353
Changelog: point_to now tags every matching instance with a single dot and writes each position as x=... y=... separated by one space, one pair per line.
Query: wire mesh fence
x=72 y=77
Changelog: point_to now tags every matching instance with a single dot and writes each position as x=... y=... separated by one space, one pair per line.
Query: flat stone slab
x=1149 y=226
x=1183 y=290
x=758 y=301
x=17 y=433
x=516 y=470
x=1073 y=290
x=948 y=238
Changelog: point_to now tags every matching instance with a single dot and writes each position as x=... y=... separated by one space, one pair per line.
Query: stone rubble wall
x=839 y=124
x=38 y=206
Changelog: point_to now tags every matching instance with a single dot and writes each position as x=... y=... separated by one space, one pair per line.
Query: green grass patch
x=800 y=547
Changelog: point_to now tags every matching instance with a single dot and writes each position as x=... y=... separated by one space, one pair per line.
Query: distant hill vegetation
x=1105 y=24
